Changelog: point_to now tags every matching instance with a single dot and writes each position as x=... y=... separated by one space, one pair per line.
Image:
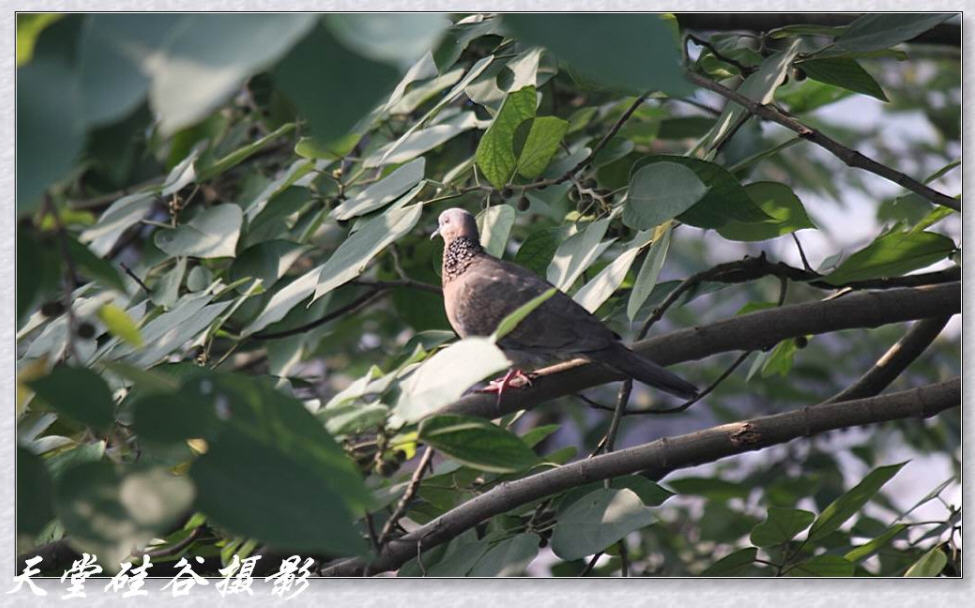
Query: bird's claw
x=515 y=378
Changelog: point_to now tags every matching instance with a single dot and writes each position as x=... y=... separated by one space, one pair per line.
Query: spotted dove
x=480 y=290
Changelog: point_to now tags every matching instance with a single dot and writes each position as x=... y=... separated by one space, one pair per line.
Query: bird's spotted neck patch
x=458 y=256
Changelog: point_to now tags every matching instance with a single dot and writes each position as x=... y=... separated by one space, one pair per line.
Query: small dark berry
x=523 y=203
x=86 y=331
x=52 y=308
x=800 y=74
x=507 y=192
x=801 y=341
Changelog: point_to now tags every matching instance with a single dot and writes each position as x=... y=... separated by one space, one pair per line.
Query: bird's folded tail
x=646 y=371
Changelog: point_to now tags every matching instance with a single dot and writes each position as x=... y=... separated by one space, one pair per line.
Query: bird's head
x=456 y=223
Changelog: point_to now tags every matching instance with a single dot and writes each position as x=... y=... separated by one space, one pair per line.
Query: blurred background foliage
x=225 y=282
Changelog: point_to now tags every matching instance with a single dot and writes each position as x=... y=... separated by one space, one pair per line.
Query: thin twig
x=744 y=69
x=407 y=496
x=591 y=564
x=624 y=559
x=802 y=254
x=135 y=277
x=622 y=399
x=352 y=306
x=849 y=156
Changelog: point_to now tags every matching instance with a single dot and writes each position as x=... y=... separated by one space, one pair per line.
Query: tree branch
x=660 y=458
x=757 y=330
x=849 y=156
x=894 y=361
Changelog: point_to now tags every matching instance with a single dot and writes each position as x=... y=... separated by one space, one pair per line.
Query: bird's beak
x=435 y=234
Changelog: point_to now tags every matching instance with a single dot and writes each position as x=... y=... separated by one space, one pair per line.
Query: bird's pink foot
x=515 y=378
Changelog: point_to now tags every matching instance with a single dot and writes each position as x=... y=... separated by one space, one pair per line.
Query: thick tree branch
x=894 y=361
x=946 y=33
x=849 y=156
x=757 y=330
x=660 y=458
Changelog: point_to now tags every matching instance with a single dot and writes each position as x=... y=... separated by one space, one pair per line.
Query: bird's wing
x=491 y=289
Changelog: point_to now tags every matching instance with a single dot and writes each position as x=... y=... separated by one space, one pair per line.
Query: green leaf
x=616 y=148
x=892 y=255
x=779 y=361
x=268 y=261
x=495 y=154
x=35 y=493
x=355 y=252
x=397 y=38
x=93 y=266
x=113 y=511
x=930 y=565
x=320 y=89
x=730 y=565
x=759 y=86
x=119 y=216
x=197 y=70
x=211 y=234
x=650 y=493
x=632 y=52
x=38 y=273
x=725 y=200
x=242 y=153
x=843 y=72
x=29 y=25
x=78 y=393
x=445 y=376
x=660 y=191
x=875 y=31
x=848 y=504
x=458 y=36
x=780 y=203
x=382 y=192
x=515 y=317
x=508 y=557
x=477 y=443
x=540 y=146
x=165 y=292
x=858 y=554
x=50 y=125
x=592 y=295
x=576 y=253
x=67 y=460
x=823 y=565
x=120 y=324
x=646 y=279
x=494 y=225
x=780 y=526
x=598 y=520
x=421 y=141
x=538 y=434
x=537 y=249
x=241 y=481
x=315 y=149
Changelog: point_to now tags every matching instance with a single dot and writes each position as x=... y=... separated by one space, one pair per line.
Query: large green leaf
x=112 y=511
x=876 y=31
x=316 y=75
x=35 y=493
x=477 y=443
x=847 y=505
x=211 y=234
x=537 y=249
x=646 y=279
x=865 y=550
x=544 y=137
x=494 y=225
x=382 y=192
x=397 y=38
x=198 y=70
x=496 y=156
x=843 y=72
x=592 y=295
x=268 y=261
x=931 y=564
x=576 y=253
x=50 y=124
x=120 y=324
x=892 y=255
x=660 y=191
x=252 y=487
x=445 y=376
x=823 y=565
x=119 y=216
x=508 y=557
x=598 y=520
x=780 y=526
x=732 y=564
x=93 y=266
x=79 y=393
x=352 y=256
x=633 y=52
x=782 y=206
x=421 y=141
x=726 y=199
